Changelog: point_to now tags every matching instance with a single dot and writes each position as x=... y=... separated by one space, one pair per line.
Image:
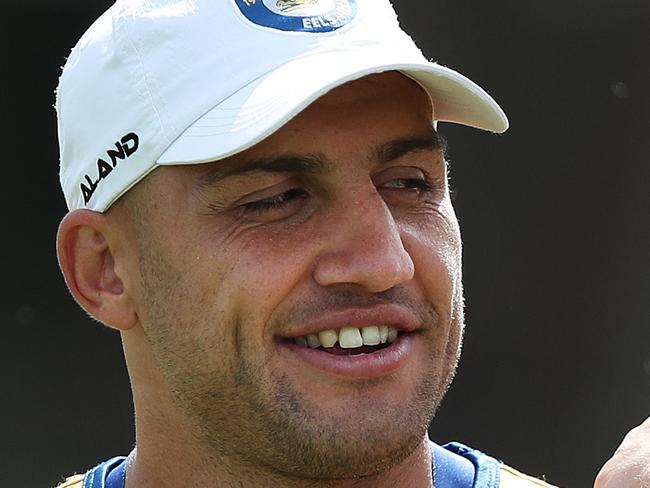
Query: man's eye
x=410 y=192
x=275 y=202
x=408 y=184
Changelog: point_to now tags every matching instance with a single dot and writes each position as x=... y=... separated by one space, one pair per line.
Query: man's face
x=342 y=219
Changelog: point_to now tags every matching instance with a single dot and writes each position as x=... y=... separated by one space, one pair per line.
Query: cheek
x=435 y=247
x=265 y=267
x=184 y=295
x=434 y=243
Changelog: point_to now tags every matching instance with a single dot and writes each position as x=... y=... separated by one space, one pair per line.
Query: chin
x=366 y=439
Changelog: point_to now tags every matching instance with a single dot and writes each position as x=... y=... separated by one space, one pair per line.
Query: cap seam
x=146 y=77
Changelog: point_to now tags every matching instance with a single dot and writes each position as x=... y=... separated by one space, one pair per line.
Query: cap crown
x=146 y=70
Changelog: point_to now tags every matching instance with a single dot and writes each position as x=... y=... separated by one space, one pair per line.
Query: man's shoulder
x=73 y=482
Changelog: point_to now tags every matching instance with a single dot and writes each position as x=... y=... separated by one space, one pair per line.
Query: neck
x=149 y=469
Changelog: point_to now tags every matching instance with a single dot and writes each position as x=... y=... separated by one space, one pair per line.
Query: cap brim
x=256 y=111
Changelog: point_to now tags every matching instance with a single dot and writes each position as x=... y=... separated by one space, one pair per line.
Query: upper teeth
x=350 y=337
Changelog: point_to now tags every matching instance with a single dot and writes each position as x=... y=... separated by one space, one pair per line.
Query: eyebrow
x=396 y=149
x=317 y=163
x=289 y=163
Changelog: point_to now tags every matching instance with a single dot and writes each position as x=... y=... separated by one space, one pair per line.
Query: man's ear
x=88 y=265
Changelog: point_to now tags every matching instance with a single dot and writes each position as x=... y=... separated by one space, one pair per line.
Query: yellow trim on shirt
x=511 y=478
x=73 y=482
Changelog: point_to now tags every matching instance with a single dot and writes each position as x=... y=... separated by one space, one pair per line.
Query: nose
x=364 y=248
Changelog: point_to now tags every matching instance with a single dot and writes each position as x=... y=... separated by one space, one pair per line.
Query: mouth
x=348 y=354
x=349 y=341
x=356 y=343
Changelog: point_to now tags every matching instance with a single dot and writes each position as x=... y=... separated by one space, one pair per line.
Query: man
x=259 y=204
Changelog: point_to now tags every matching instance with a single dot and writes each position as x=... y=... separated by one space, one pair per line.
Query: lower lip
x=360 y=366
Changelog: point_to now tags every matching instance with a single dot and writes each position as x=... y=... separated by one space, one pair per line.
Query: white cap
x=167 y=82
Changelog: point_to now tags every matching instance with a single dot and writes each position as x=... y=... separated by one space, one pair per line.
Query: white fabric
x=197 y=81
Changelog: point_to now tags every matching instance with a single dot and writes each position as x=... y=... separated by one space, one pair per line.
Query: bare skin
x=629 y=467
x=210 y=274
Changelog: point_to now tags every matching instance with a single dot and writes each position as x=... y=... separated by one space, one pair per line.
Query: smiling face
x=337 y=228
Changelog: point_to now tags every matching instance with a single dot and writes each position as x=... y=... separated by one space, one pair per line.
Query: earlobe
x=88 y=265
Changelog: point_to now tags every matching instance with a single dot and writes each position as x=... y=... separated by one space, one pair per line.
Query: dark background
x=555 y=215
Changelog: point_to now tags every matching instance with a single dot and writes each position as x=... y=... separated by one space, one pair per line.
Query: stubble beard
x=258 y=421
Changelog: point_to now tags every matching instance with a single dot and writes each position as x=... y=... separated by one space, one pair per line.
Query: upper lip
x=400 y=318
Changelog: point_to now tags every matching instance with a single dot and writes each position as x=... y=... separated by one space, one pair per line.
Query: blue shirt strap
x=487 y=470
x=109 y=474
x=451 y=470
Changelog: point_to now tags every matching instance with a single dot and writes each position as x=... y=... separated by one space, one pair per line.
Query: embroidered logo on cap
x=299 y=15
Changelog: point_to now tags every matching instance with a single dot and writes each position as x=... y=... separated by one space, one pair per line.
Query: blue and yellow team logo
x=299 y=15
